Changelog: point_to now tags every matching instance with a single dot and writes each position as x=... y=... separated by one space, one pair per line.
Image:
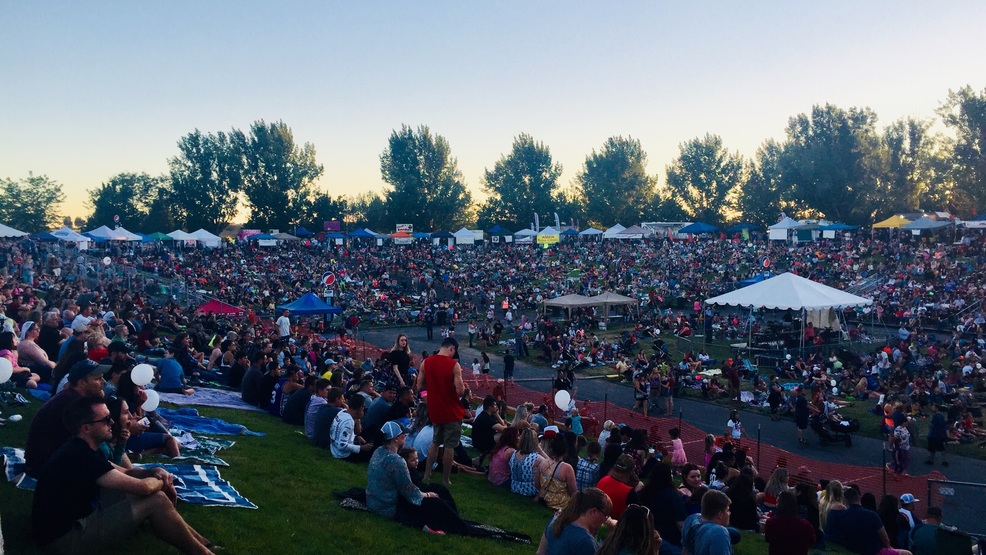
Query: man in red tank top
x=441 y=376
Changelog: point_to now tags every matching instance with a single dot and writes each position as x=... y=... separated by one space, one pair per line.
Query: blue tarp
x=261 y=237
x=302 y=232
x=335 y=235
x=421 y=235
x=570 y=231
x=310 y=304
x=363 y=233
x=839 y=227
x=698 y=228
x=756 y=279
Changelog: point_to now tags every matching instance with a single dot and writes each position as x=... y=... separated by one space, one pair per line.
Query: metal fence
x=959 y=502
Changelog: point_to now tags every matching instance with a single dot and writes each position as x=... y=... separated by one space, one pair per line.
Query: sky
x=92 y=89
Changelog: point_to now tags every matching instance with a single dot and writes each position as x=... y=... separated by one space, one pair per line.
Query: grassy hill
x=292 y=484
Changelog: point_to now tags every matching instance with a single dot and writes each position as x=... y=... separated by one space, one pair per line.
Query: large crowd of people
x=76 y=326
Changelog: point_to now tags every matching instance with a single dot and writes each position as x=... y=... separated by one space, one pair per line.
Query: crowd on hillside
x=76 y=326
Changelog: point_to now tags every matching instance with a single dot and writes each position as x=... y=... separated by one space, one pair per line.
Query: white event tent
x=207 y=239
x=788 y=291
x=7 y=231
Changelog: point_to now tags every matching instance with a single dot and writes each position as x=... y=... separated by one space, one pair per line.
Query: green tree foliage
x=910 y=164
x=520 y=183
x=964 y=112
x=705 y=179
x=206 y=178
x=426 y=186
x=367 y=210
x=760 y=199
x=160 y=214
x=128 y=195
x=279 y=177
x=31 y=204
x=325 y=209
x=614 y=183
x=831 y=164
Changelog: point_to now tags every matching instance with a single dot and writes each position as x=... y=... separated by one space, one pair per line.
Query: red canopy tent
x=220 y=308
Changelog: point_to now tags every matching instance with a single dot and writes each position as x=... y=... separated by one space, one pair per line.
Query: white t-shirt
x=283 y=326
x=737 y=429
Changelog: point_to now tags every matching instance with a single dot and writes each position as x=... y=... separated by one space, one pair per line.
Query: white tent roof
x=203 y=235
x=548 y=231
x=591 y=231
x=525 y=233
x=7 y=231
x=786 y=223
x=66 y=234
x=613 y=231
x=637 y=230
x=569 y=301
x=180 y=235
x=789 y=292
x=118 y=234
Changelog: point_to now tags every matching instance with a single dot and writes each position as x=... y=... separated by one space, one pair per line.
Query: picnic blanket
x=195 y=484
x=202 y=485
x=189 y=419
x=200 y=450
x=209 y=397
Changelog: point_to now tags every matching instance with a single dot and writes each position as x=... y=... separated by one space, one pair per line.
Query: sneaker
x=427 y=530
x=20 y=400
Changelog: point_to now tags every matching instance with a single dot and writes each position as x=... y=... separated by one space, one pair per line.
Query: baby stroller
x=830 y=432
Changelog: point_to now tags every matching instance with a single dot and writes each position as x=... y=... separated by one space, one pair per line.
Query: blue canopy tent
x=698 y=228
x=499 y=230
x=261 y=237
x=362 y=234
x=45 y=236
x=421 y=235
x=335 y=235
x=302 y=232
x=309 y=305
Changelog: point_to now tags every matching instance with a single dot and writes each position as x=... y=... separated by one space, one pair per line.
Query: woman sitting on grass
x=391 y=493
x=573 y=531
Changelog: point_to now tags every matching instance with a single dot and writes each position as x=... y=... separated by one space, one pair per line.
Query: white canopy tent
x=781 y=230
x=66 y=234
x=7 y=231
x=788 y=291
x=118 y=234
x=613 y=232
x=465 y=236
x=635 y=232
x=179 y=235
x=207 y=239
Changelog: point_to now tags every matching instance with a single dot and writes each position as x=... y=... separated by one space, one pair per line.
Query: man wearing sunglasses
x=85 y=504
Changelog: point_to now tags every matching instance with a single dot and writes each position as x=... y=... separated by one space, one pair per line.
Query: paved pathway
x=710 y=417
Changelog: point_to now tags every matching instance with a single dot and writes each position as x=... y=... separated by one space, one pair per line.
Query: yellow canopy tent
x=894 y=221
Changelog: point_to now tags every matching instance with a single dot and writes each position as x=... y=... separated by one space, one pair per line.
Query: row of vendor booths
x=104 y=234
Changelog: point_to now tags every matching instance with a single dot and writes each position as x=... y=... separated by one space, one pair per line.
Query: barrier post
x=883 y=453
x=758 y=445
x=605 y=406
x=679 y=420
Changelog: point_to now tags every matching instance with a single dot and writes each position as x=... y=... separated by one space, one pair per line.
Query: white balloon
x=562 y=399
x=142 y=374
x=153 y=400
x=6 y=369
x=107 y=260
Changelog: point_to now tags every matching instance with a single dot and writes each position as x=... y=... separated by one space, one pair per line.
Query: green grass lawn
x=292 y=484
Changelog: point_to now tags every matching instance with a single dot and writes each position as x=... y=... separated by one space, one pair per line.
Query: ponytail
x=581 y=503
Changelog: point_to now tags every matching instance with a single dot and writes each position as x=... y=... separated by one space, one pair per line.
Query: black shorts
x=935 y=445
x=802 y=423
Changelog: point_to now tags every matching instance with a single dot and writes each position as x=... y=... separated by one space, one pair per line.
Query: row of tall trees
x=833 y=162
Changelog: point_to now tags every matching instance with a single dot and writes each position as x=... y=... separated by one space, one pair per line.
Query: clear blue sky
x=90 y=89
